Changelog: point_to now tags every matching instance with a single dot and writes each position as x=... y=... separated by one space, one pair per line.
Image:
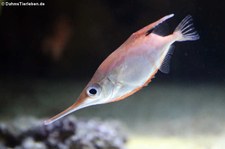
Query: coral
x=69 y=133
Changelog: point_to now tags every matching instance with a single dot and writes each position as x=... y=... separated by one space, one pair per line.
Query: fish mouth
x=76 y=106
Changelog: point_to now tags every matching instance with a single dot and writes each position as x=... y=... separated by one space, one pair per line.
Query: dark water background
x=49 y=53
x=71 y=39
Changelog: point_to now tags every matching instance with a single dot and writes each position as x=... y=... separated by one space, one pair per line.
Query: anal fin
x=165 y=66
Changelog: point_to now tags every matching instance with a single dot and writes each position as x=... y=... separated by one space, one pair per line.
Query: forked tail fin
x=185 y=31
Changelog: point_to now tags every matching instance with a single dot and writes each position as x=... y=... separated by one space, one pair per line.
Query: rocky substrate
x=69 y=133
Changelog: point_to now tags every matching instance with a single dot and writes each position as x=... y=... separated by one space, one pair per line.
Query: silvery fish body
x=132 y=65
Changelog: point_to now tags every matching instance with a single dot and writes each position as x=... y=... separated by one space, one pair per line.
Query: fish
x=133 y=65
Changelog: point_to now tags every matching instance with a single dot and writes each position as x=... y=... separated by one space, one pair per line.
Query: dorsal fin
x=149 y=32
x=147 y=29
x=165 y=67
x=161 y=29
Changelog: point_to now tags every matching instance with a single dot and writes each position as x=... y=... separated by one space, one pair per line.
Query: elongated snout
x=79 y=104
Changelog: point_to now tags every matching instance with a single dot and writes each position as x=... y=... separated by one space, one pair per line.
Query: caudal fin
x=185 y=31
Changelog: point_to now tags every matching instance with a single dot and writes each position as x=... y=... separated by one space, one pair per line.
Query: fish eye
x=93 y=90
